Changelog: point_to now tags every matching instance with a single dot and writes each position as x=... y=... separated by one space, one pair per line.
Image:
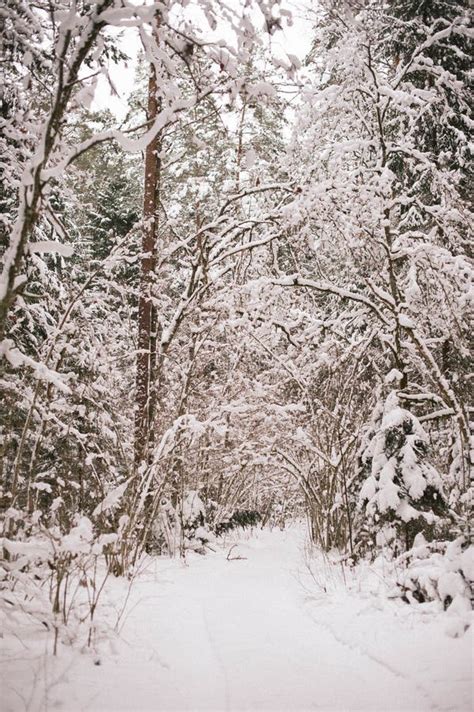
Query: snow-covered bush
x=402 y=494
x=441 y=571
x=183 y=527
x=53 y=577
x=193 y=521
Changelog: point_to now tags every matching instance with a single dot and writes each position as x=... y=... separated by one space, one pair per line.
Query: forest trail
x=259 y=633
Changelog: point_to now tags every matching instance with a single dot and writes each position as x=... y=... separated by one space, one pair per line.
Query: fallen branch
x=234 y=558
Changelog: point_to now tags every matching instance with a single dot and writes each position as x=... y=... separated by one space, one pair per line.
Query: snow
x=405 y=321
x=193 y=507
x=388 y=495
x=16 y=358
x=250 y=158
x=48 y=246
x=111 y=499
x=80 y=537
x=275 y=630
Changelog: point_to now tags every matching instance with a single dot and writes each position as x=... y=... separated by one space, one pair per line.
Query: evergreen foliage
x=402 y=494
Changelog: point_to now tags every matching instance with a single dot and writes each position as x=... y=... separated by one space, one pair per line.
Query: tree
x=45 y=367
x=67 y=53
x=402 y=494
x=147 y=318
x=362 y=154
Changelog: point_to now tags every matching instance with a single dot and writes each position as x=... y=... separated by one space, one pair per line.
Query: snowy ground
x=257 y=633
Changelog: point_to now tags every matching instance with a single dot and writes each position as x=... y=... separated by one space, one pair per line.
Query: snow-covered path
x=260 y=634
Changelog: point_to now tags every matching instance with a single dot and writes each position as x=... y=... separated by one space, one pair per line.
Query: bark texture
x=147 y=319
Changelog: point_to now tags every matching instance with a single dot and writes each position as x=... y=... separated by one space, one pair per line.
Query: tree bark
x=147 y=320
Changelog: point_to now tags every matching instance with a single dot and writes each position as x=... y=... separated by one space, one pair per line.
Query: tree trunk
x=146 y=357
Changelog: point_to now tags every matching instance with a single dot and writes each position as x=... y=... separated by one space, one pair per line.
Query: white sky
x=294 y=40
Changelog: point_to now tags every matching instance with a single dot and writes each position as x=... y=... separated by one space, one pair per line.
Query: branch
x=252 y=191
x=234 y=558
x=327 y=288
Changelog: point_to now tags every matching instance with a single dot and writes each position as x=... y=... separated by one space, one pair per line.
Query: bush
x=442 y=571
x=241 y=518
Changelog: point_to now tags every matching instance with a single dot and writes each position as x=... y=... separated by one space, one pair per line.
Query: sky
x=295 y=39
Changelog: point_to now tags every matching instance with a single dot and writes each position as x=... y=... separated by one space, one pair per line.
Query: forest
x=235 y=301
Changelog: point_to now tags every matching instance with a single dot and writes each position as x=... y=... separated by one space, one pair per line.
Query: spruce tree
x=402 y=494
